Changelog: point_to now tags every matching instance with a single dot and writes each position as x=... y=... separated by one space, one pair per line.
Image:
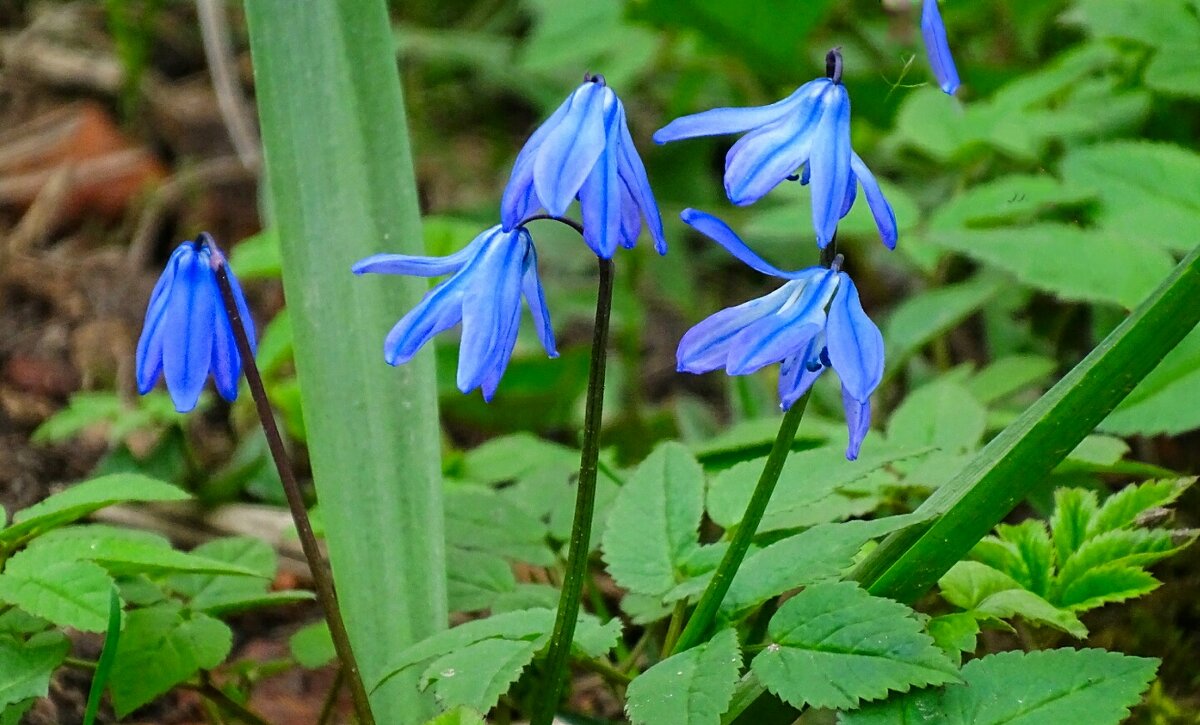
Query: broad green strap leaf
x=69 y=594
x=26 y=666
x=83 y=498
x=690 y=688
x=835 y=645
x=654 y=523
x=160 y=648
x=1120 y=270
x=1055 y=686
x=478 y=674
x=979 y=588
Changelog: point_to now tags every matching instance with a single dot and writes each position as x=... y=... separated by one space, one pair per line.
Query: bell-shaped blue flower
x=813 y=322
x=584 y=151
x=187 y=333
x=487 y=279
x=809 y=129
x=933 y=30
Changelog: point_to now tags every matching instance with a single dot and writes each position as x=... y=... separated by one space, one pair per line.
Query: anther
x=833 y=65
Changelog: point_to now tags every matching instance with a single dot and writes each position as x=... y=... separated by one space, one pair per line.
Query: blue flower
x=938 y=48
x=813 y=322
x=187 y=333
x=584 y=151
x=809 y=129
x=487 y=280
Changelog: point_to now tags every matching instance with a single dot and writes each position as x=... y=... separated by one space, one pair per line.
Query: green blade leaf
x=84 y=498
x=339 y=171
x=1018 y=459
x=161 y=647
x=692 y=687
x=1054 y=686
x=654 y=523
x=836 y=645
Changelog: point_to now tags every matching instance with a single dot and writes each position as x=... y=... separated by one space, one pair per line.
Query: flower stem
x=585 y=503
x=308 y=541
x=700 y=623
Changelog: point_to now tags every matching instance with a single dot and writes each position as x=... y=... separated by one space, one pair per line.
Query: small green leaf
x=835 y=645
x=69 y=594
x=1008 y=375
x=26 y=666
x=1105 y=584
x=475 y=579
x=478 y=674
x=480 y=519
x=1160 y=404
x=922 y=318
x=82 y=499
x=508 y=458
x=213 y=592
x=1007 y=201
x=161 y=647
x=954 y=633
x=1032 y=543
x=458 y=716
x=979 y=588
x=1123 y=507
x=654 y=523
x=692 y=687
x=122 y=551
x=1051 y=686
x=257 y=256
x=1073 y=512
x=312 y=645
x=941 y=414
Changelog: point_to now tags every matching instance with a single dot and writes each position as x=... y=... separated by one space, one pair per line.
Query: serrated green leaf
x=813 y=487
x=125 y=552
x=214 y=592
x=596 y=639
x=941 y=414
x=84 y=498
x=1051 y=686
x=312 y=645
x=478 y=674
x=480 y=519
x=1008 y=375
x=655 y=520
x=835 y=645
x=1073 y=512
x=1006 y=201
x=160 y=647
x=954 y=633
x=26 y=666
x=14 y=621
x=475 y=579
x=1123 y=507
x=69 y=594
x=1121 y=271
x=822 y=553
x=526 y=596
x=1105 y=584
x=1032 y=543
x=692 y=687
x=458 y=716
x=924 y=317
x=1150 y=192
x=508 y=458
x=979 y=588
x=1134 y=547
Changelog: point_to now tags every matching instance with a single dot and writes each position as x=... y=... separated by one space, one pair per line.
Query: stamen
x=836 y=264
x=594 y=78
x=833 y=65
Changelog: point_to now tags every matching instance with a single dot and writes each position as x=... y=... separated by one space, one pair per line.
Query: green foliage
x=312 y=645
x=26 y=666
x=1088 y=554
x=1062 y=685
x=121 y=417
x=691 y=687
x=834 y=645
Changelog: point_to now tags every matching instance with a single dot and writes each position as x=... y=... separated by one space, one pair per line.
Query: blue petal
x=718 y=231
x=600 y=195
x=851 y=193
x=570 y=150
x=148 y=361
x=633 y=173
x=439 y=310
x=188 y=331
x=631 y=216
x=937 y=47
x=798 y=373
x=885 y=218
x=855 y=343
x=733 y=120
x=830 y=162
x=519 y=199
x=226 y=363
x=858 y=422
x=535 y=297
x=419 y=266
x=243 y=310
x=491 y=309
x=765 y=157
x=787 y=332
x=706 y=346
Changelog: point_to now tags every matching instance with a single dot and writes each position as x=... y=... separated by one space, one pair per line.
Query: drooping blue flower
x=487 y=280
x=809 y=129
x=813 y=322
x=187 y=333
x=933 y=30
x=584 y=151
